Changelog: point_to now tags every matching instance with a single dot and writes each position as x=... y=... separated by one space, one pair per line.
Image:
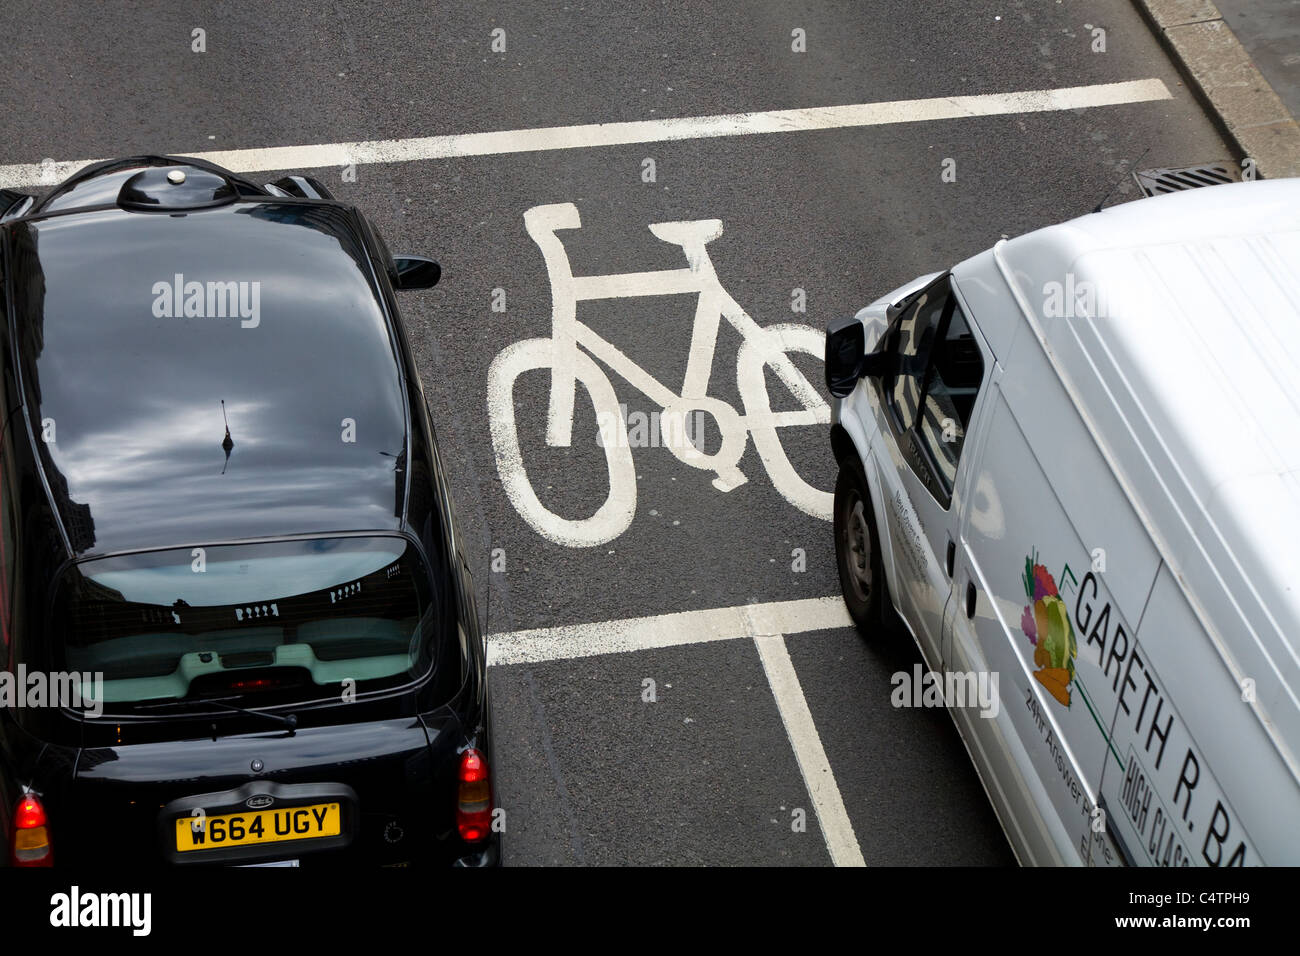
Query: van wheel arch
x=842 y=445
x=859 y=558
x=846 y=449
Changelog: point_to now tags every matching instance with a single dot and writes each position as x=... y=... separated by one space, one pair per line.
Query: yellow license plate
x=258 y=826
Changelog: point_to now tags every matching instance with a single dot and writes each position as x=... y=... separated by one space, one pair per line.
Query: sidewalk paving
x=1270 y=32
x=1219 y=62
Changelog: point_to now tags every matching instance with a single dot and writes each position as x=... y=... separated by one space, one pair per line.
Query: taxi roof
x=134 y=327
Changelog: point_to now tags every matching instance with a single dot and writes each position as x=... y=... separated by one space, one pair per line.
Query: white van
x=1073 y=463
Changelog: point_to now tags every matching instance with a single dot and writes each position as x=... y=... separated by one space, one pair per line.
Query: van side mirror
x=416 y=272
x=846 y=357
x=845 y=348
x=875 y=364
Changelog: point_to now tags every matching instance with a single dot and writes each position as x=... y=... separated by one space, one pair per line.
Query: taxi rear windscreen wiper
x=288 y=721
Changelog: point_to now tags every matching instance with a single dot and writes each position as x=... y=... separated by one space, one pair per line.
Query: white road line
x=816 y=769
x=667 y=630
x=766 y=624
x=641 y=131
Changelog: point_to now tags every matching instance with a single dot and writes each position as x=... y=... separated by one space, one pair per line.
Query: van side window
x=951 y=385
x=929 y=395
x=913 y=339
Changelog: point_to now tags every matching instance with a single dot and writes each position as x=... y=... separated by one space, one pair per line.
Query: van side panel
x=1044 y=513
x=1108 y=530
x=1004 y=764
x=1196 y=780
x=1020 y=520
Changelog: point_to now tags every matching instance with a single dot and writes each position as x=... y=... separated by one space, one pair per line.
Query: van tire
x=866 y=596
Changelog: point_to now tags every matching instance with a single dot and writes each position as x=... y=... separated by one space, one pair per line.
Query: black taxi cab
x=229 y=558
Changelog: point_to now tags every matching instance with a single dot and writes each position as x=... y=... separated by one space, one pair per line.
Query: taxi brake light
x=474 y=801
x=30 y=838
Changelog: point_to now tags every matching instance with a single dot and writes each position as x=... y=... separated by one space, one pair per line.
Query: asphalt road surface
x=770 y=738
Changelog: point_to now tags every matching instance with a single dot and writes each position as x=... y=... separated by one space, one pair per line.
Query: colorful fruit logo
x=1046 y=623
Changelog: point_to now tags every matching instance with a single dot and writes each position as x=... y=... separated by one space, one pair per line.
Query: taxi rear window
x=303 y=619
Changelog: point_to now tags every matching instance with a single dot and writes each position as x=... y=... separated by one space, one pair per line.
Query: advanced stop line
x=565 y=642
x=765 y=624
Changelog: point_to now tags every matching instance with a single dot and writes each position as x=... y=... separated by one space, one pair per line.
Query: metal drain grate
x=1153 y=182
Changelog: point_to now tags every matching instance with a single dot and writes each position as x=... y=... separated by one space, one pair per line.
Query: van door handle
x=952 y=554
x=970 y=598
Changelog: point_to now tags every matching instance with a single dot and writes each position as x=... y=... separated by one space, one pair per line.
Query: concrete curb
x=1219 y=68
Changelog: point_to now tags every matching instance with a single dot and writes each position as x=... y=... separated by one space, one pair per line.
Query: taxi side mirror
x=416 y=272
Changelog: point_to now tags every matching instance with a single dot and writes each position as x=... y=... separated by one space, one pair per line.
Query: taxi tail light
x=29 y=841
x=474 y=797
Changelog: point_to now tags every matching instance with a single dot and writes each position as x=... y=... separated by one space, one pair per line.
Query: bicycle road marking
x=761 y=347
x=617 y=511
x=828 y=804
x=588 y=135
x=566 y=642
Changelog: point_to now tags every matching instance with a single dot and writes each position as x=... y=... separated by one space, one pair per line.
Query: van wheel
x=857 y=550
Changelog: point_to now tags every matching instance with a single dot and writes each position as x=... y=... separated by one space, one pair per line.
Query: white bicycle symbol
x=762 y=347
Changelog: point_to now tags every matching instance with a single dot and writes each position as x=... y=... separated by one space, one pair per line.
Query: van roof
x=1175 y=322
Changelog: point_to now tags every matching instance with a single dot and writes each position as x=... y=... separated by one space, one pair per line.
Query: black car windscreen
x=285 y=620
